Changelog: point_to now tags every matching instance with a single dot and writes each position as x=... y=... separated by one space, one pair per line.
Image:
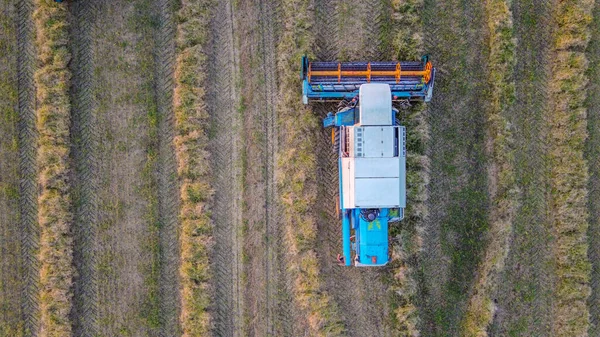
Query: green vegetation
x=501 y=170
x=11 y=323
x=296 y=174
x=408 y=39
x=52 y=80
x=569 y=174
x=191 y=141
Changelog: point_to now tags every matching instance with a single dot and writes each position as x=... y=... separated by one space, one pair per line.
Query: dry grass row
x=52 y=79
x=296 y=174
x=501 y=172
x=191 y=141
x=408 y=45
x=569 y=174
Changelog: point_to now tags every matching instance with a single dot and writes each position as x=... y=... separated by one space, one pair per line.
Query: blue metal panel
x=345 y=118
x=346 y=238
x=372 y=239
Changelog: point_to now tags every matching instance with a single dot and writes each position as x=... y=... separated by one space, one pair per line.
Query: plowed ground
x=124 y=180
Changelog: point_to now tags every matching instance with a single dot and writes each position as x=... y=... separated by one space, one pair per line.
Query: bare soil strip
x=224 y=109
x=360 y=293
x=525 y=291
x=458 y=202
x=11 y=320
x=84 y=313
x=266 y=314
x=28 y=223
x=593 y=157
x=280 y=313
x=126 y=125
x=168 y=199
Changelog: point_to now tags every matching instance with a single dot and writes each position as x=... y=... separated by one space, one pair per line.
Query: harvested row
x=28 y=169
x=191 y=147
x=11 y=320
x=457 y=217
x=296 y=175
x=126 y=123
x=569 y=174
x=524 y=291
x=84 y=144
x=267 y=310
x=592 y=155
x=166 y=170
x=407 y=44
x=224 y=108
x=52 y=80
x=501 y=175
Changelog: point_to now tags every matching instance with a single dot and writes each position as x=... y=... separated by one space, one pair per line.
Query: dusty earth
x=123 y=175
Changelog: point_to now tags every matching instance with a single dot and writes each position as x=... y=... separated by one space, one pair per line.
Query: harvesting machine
x=370 y=144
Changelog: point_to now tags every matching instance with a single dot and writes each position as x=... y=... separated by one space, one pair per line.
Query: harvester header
x=334 y=81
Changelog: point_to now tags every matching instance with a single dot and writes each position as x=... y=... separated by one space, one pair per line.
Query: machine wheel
x=335 y=140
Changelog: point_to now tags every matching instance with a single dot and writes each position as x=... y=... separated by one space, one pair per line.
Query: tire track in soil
x=168 y=196
x=457 y=199
x=592 y=155
x=267 y=298
x=360 y=292
x=28 y=167
x=225 y=151
x=125 y=113
x=525 y=292
x=84 y=312
x=279 y=298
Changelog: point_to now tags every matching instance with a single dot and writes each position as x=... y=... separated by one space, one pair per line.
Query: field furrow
x=525 y=289
x=266 y=311
x=226 y=148
x=457 y=202
x=11 y=319
x=592 y=155
x=500 y=168
x=280 y=312
x=84 y=176
x=28 y=222
x=126 y=119
x=168 y=202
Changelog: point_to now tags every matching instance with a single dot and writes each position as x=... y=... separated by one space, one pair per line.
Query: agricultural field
x=160 y=175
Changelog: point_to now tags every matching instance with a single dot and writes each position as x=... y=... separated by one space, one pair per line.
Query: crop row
x=501 y=62
x=296 y=175
x=191 y=141
x=52 y=79
x=569 y=174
